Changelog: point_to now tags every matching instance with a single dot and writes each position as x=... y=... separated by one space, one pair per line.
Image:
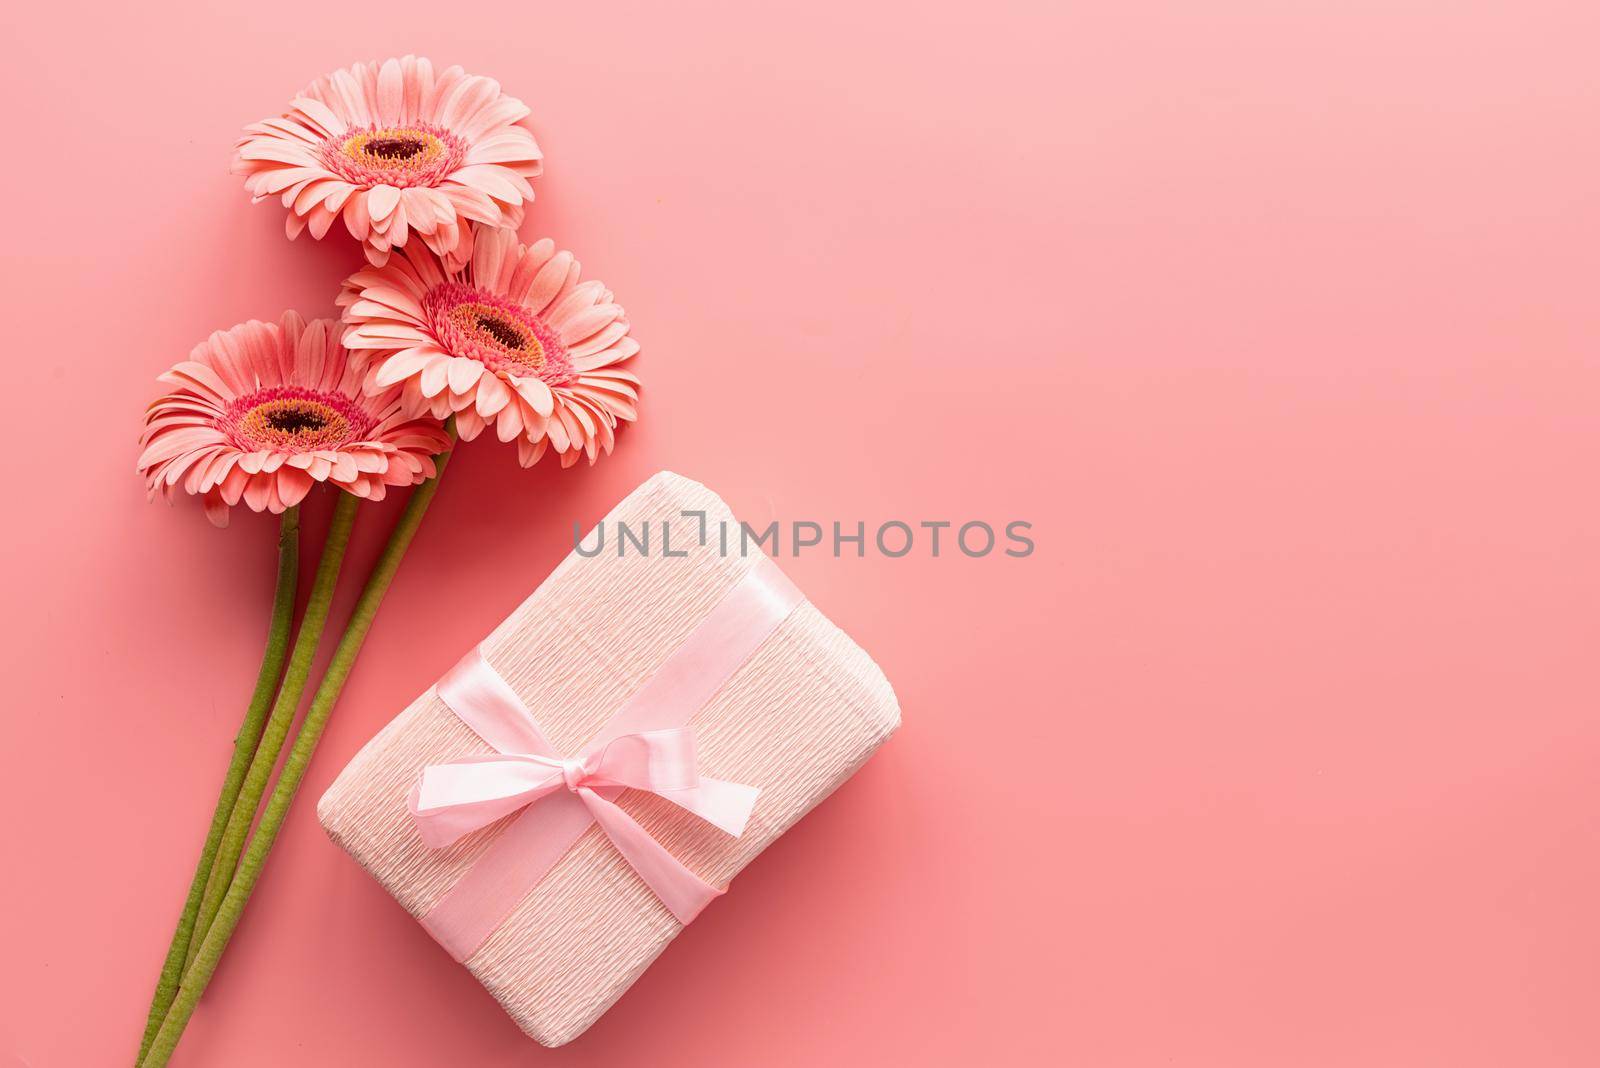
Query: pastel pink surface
x=1278 y=323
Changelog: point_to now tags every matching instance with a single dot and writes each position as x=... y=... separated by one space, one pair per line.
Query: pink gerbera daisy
x=396 y=151
x=513 y=339
x=262 y=412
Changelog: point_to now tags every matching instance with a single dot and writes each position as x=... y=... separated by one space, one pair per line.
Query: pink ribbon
x=646 y=745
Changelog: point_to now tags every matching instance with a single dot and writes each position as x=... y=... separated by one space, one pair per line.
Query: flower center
x=394 y=148
x=505 y=333
x=293 y=419
x=501 y=335
x=401 y=156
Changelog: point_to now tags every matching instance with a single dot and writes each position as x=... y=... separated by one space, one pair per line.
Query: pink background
x=1277 y=320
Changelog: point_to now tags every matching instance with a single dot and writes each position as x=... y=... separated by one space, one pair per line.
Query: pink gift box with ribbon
x=571 y=794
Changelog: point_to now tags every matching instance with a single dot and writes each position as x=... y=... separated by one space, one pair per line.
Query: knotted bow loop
x=649 y=760
x=644 y=745
x=453 y=800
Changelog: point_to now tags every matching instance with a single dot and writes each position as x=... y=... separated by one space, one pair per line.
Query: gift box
x=559 y=805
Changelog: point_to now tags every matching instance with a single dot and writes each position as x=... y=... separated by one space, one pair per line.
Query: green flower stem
x=244 y=747
x=283 y=710
x=294 y=769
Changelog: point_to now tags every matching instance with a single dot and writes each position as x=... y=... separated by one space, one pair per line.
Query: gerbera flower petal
x=548 y=282
x=469 y=424
x=217 y=509
x=508 y=422
x=537 y=394
x=492 y=395
x=397 y=154
x=271 y=409
x=528 y=452
x=293 y=485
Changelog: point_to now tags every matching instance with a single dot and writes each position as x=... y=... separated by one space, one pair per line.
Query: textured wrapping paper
x=796 y=720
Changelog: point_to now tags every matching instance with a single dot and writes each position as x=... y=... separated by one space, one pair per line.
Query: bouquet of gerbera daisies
x=465 y=329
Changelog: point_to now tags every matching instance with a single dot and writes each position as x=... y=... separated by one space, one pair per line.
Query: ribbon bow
x=453 y=800
x=645 y=745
